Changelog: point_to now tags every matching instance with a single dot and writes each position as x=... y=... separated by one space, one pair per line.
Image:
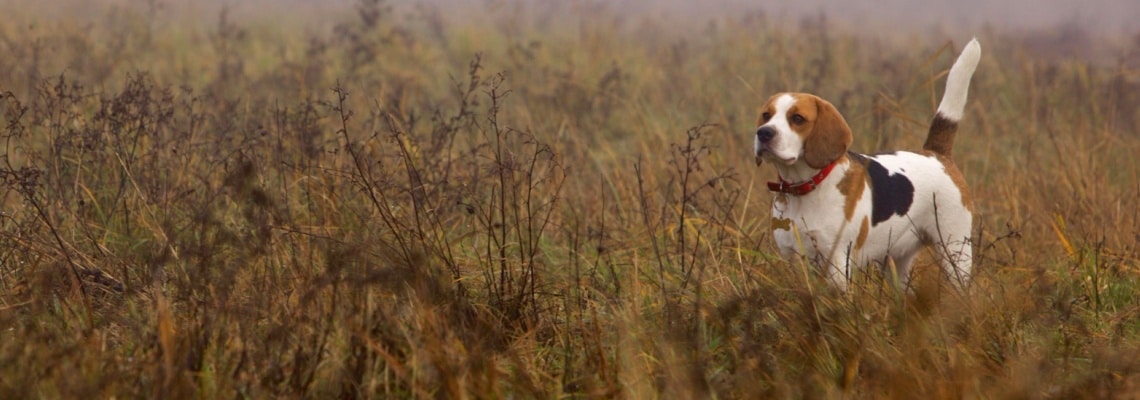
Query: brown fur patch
x=863 y=229
x=826 y=134
x=955 y=176
x=940 y=138
x=852 y=186
x=769 y=107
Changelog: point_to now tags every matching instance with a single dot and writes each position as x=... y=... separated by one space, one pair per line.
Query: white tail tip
x=958 y=82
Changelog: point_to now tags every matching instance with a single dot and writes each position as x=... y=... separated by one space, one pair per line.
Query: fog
x=1103 y=17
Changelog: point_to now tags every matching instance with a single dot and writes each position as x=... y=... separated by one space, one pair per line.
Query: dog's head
x=800 y=126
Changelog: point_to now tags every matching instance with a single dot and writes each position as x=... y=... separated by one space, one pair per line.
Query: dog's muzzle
x=765 y=134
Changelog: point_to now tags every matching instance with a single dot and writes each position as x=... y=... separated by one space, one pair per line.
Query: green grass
x=533 y=203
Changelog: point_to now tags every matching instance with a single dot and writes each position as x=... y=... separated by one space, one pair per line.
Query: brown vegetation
x=558 y=202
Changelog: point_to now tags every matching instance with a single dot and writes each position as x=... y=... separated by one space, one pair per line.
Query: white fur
x=825 y=236
x=958 y=82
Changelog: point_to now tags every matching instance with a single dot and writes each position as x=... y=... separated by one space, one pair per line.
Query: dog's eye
x=798 y=119
x=766 y=116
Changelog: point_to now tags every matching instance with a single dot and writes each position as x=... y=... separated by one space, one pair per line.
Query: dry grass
x=540 y=203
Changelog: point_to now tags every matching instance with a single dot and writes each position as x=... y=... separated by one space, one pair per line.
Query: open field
x=536 y=200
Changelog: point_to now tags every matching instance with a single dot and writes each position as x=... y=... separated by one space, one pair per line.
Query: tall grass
x=534 y=202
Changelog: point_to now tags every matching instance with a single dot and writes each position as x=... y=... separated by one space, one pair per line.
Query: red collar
x=801 y=188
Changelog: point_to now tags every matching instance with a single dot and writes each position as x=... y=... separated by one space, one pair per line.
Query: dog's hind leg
x=897 y=270
x=956 y=256
x=956 y=251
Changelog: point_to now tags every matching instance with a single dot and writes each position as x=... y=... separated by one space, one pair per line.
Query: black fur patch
x=890 y=194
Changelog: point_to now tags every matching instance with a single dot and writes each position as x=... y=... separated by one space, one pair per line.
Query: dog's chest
x=807 y=222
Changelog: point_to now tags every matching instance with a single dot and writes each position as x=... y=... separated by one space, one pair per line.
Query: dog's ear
x=830 y=136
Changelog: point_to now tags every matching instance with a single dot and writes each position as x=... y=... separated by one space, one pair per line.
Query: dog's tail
x=940 y=140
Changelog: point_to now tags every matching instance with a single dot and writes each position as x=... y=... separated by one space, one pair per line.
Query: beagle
x=842 y=209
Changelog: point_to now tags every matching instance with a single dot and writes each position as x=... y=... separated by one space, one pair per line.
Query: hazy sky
x=1113 y=17
x=1107 y=16
x=1102 y=15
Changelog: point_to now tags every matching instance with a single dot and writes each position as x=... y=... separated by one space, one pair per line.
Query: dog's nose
x=765 y=133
